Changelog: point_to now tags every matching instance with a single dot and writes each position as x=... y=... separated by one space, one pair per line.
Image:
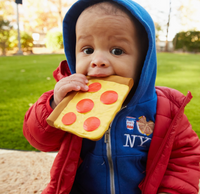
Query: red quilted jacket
x=173 y=158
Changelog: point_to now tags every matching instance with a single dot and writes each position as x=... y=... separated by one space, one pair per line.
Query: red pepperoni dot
x=84 y=105
x=109 y=97
x=69 y=118
x=91 y=124
x=94 y=87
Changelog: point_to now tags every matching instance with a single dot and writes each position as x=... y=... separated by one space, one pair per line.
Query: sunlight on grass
x=182 y=72
x=25 y=78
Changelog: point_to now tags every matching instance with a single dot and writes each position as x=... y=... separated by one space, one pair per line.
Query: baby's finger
x=74 y=86
x=78 y=78
x=75 y=82
x=62 y=91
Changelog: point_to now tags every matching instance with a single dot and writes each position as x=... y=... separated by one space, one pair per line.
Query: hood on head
x=146 y=87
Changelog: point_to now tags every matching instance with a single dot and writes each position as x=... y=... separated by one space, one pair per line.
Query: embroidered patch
x=145 y=127
x=130 y=121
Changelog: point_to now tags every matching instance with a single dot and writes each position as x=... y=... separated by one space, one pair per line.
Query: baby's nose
x=98 y=65
x=100 y=60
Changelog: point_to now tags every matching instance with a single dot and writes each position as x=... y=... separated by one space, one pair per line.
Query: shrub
x=9 y=38
x=54 y=40
x=188 y=41
x=13 y=42
x=26 y=41
x=5 y=28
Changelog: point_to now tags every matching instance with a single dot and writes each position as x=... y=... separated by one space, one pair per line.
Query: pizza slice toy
x=89 y=114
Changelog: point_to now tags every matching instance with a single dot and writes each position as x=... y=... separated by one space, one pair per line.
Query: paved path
x=23 y=172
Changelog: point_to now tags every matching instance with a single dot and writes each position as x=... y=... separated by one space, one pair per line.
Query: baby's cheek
x=125 y=72
x=82 y=67
x=79 y=68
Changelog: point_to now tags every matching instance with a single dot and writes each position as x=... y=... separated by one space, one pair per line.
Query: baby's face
x=106 y=45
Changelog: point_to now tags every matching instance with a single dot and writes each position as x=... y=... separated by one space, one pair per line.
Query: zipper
x=107 y=140
x=155 y=161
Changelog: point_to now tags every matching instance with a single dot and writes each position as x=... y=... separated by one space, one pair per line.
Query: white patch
x=130 y=140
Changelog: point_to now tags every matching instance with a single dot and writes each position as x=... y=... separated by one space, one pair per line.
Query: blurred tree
x=54 y=40
x=6 y=9
x=59 y=4
x=41 y=16
x=187 y=41
x=26 y=42
x=184 y=13
x=38 y=17
x=158 y=30
x=187 y=13
x=168 y=24
x=5 y=29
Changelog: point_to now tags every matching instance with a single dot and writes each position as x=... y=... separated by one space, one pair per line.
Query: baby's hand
x=74 y=82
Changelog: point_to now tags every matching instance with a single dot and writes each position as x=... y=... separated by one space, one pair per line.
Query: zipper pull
x=106 y=136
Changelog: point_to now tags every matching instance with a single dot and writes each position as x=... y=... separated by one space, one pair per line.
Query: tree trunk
x=168 y=23
x=3 y=48
x=60 y=14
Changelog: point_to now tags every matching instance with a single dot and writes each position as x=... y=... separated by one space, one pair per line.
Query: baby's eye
x=88 y=51
x=117 y=51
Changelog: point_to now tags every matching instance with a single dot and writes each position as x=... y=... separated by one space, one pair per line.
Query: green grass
x=24 y=79
x=182 y=72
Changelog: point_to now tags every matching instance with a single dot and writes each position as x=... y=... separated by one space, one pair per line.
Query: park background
x=26 y=71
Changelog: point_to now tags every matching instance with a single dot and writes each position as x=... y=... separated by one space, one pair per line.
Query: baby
x=117 y=38
x=111 y=44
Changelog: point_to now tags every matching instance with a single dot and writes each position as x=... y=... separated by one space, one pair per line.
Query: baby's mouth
x=99 y=72
x=98 y=75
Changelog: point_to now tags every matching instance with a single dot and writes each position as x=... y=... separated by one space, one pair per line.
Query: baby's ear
x=62 y=71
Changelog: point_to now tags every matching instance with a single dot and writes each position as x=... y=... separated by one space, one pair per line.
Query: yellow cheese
x=105 y=112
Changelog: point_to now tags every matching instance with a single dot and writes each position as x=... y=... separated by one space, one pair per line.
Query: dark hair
x=141 y=34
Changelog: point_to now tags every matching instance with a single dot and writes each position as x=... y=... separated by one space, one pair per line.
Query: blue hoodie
x=116 y=163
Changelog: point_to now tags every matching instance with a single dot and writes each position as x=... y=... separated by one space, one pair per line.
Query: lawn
x=182 y=72
x=24 y=78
